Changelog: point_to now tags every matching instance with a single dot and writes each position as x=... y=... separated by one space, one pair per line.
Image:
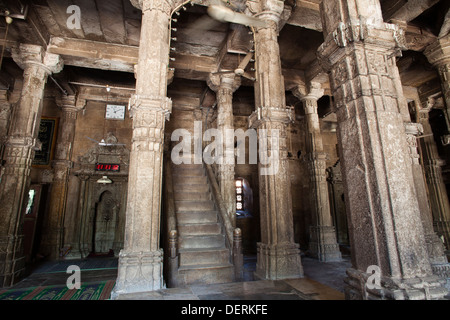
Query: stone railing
x=233 y=236
x=171 y=246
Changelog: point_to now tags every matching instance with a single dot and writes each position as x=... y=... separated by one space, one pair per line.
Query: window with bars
x=239 y=195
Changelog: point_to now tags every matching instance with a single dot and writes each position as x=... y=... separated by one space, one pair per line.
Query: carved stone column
x=19 y=154
x=432 y=163
x=53 y=230
x=278 y=255
x=5 y=112
x=322 y=241
x=140 y=262
x=224 y=86
x=385 y=223
x=438 y=53
x=435 y=247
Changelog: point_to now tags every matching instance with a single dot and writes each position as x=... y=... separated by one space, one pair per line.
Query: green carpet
x=91 y=291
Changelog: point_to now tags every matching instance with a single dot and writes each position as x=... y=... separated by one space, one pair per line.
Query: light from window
x=31 y=195
x=239 y=195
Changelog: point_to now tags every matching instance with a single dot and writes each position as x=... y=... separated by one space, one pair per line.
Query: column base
x=442 y=271
x=323 y=245
x=442 y=229
x=420 y=288
x=278 y=262
x=139 y=272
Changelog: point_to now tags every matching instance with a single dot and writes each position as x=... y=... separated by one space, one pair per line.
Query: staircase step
x=182 y=171
x=189 y=205
x=213 y=256
x=206 y=274
x=199 y=229
x=194 y=196
x=190 y=180
x=190 y=217
x=202 y=241
x=184 y=166
x=202 y=188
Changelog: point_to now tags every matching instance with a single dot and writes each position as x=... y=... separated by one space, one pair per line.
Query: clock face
x=115 y=112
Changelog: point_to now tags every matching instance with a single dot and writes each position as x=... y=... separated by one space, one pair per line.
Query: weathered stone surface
x=224 y=86
x=53 y=241
x=278 y=254
x=380 y=197
x=140 y=262
x=323 y=243
x=19 y=154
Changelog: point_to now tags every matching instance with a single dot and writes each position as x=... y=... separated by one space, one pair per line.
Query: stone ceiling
x=105 y=49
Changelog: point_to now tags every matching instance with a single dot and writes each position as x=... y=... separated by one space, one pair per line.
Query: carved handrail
x=226 y=220
x=170 y=202
x=171 y=226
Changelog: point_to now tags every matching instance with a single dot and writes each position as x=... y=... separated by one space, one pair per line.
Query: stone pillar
x=434 y=244
x=53 y=230
x=432 y=163
x=438 y=54
x=322 y=241
x=224 y=86
x=140 y=262
x=385 y=226
x=278 y=255
x=19 y=154
x=5 y=112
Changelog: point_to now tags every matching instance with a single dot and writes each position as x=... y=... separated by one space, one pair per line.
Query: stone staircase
x=203 y=254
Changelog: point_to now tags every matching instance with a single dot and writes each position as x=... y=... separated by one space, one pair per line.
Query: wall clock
x=115 y=112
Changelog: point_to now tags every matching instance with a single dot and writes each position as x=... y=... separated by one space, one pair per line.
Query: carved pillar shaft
x=53 y=235
x=5 y=112
x=435 y=247
x=278 y=254
x=224 y=86
x=322 y=242
x=438 y=53
x=437 y=193
x=140 y=262
x=19 y=154
x=386 y=228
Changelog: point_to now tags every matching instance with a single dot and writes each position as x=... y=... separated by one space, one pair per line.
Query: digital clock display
x=107 y=167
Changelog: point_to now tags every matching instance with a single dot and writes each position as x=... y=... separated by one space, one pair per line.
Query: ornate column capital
x=223 y=81
x=438 y=53
x=165 y=6
x=360 y=24
x=28 y=54
x=270 y=114
x=140 y=102
x=70 y=103
x=310 y=91
x=268 y=10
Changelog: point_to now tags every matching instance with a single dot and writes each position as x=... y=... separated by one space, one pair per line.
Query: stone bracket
x=263 y=114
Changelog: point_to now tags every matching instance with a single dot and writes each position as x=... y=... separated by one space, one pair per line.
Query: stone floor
x=322 y=281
